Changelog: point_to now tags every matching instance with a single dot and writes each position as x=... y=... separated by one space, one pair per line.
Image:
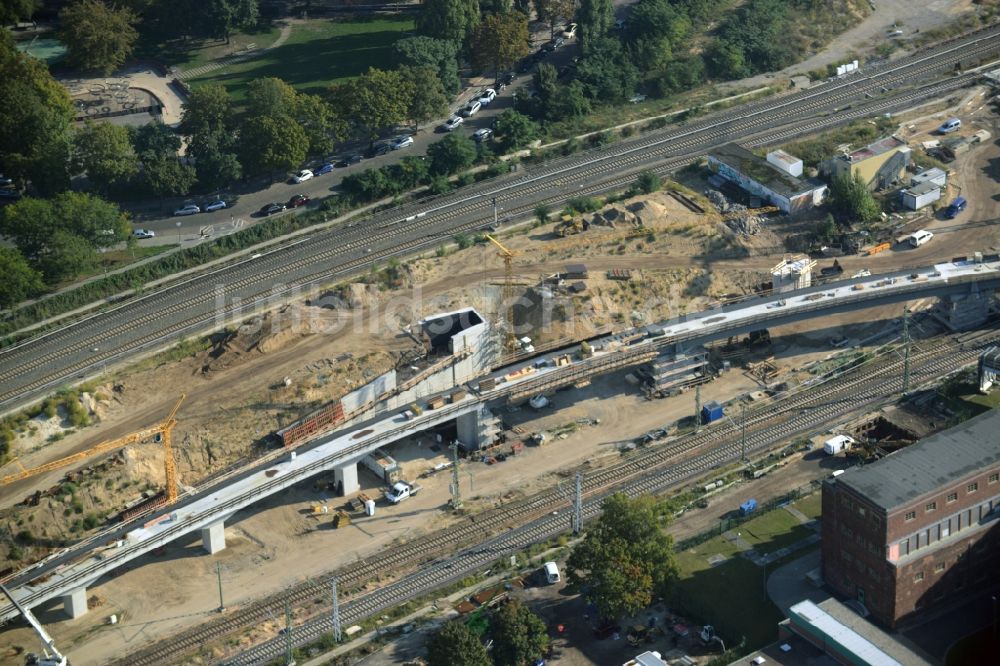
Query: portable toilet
x=711 y=411
x=370 y=507
x=748 y=507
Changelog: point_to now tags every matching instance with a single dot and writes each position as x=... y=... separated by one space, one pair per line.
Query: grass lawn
x=810 y=505
x=190 y=53
x=317 y=53
x=773 y=530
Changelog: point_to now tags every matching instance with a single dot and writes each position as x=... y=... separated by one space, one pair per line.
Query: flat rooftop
x=932 y=463
x=874 y=149
x=757 y=168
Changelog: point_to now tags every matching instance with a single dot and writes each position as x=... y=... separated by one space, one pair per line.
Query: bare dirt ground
x=242 y=397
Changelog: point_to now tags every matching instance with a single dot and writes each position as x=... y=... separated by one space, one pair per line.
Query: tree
x=104 y=151
x=441 y=54
x=429 y=100
x=165 y=175
x=209 y=122
x=272 y=143
x=625 y=558
x=451 y=154
x=374 y=100
x=97 y=37
x=851 y=199
x=12 y=11
x=499 y=41
x=516 y=130
x=546 y=84
x=20 y=281
x=35 y=115
x=323 y=127
x=224 y=16
x=571 y=102
x=270 y=96
x=550 y=11
x=519 y=636
x=595 y=18
x=648 y=182
x=215 y=162
x=453 y=20
x=209 y=109
x=408 y=172
x=455 y=645
x=606 y=71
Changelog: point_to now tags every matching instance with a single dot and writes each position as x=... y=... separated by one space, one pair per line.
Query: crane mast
x=52 y=655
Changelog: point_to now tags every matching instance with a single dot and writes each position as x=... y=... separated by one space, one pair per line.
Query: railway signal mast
x=51 y=656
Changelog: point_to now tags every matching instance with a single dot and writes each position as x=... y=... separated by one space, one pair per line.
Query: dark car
x=298 y=200
x=325 y=168
x=348 y=161
x=507 y=78
x=271 y=209
x=379 y=149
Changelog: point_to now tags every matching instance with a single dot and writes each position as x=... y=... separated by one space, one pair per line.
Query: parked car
x=379 y=149
x=570 y=31
x=482 y=135
x=298 y=200
x=143 y=233
x=271 y=209
x=190 y=209
x=548 y=48
x=506 y=78
x=486 y=96
x=949 y=126
x=401 y=142
x=472 y=109
x=302 y=176
x=9 y=193
x=348 y=161
x=452 y=123
x=326 y=168
x=218 y=204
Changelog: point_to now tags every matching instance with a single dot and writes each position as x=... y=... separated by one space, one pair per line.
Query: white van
x=950 y=126
x=551 y=573
x=921 y=237
x=472 y=109
x=835 y=445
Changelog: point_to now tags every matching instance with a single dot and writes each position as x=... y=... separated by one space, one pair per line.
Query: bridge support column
x=965 y=311
x=213 y=537
x=75 y=602
x=346 y=479
x=477 y=429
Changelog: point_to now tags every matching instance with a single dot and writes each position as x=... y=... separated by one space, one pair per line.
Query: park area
x=310 y=55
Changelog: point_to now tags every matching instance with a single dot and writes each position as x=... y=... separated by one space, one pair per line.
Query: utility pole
x=743 y=433
x=335 y=611
x=218 y=573
x=578 y=505
x=906 y=350
x=697 y=408
x=289 y=659
x=494 y=213
x=456 y=492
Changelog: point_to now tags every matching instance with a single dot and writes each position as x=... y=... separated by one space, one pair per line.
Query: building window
x=910 y=515
x=939 y=567
x=972 y=487
x=931 y=506
x=994 y=477
x=952 y=497
x=861 y=511
x=917 y=577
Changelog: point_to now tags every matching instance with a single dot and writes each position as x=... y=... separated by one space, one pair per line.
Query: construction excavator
x=50 y=654
x=160 y=433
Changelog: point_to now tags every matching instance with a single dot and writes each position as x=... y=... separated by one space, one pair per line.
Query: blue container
x=748 y=507
x=711 y=411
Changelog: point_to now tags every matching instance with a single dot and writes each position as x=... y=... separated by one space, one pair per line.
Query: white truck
x=835 y=445
x=400 y=491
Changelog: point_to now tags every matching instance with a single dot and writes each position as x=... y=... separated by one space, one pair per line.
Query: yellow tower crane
x=160 y=433
x=507 y=298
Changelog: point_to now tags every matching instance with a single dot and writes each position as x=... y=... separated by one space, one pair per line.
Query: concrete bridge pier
x=75 y=602
x=965 y=311
x=345 y=478
x=477 y=429
x=213 y=537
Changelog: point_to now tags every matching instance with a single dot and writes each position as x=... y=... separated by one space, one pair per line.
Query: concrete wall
x=370 y=391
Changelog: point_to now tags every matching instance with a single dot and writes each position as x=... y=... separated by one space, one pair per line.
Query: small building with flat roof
x=760 y=177
x=880 y=163
x=923 y=194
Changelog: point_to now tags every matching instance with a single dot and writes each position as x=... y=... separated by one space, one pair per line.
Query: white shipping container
x=835 y=445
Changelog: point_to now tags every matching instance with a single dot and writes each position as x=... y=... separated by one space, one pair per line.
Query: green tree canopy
x=98 y=37
x=209 y=109
x=35 y=115
x=272 y=143
x=499 y=41
x=216 y=162
x=374 y=100
x=429 y=100
x=162 y=173
x=441 y=54
x=270 y=96
x=104 y=151
x=451 y=154
x=12 y=11
x=20 y=281
x=551 y=11
x=515 y=130
x=851 y=199
x=606 y=71
x=519 y=636
x=224 y=16
x=209 y=122
x=455 y=645
x=625 y=558
x=595 y=18
x=453 y=20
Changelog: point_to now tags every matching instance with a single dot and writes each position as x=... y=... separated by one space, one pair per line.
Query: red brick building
x=920 y=527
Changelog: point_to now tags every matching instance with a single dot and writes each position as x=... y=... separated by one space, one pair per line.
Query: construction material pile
x=749 y=225
x=718 y=199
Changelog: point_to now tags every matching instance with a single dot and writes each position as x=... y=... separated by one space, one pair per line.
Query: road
x=227 y=294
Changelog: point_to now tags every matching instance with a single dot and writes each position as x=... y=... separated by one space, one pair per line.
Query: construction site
x=544 y=346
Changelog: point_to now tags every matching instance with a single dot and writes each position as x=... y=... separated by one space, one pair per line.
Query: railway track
x=644 y=470
x=194 y=305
